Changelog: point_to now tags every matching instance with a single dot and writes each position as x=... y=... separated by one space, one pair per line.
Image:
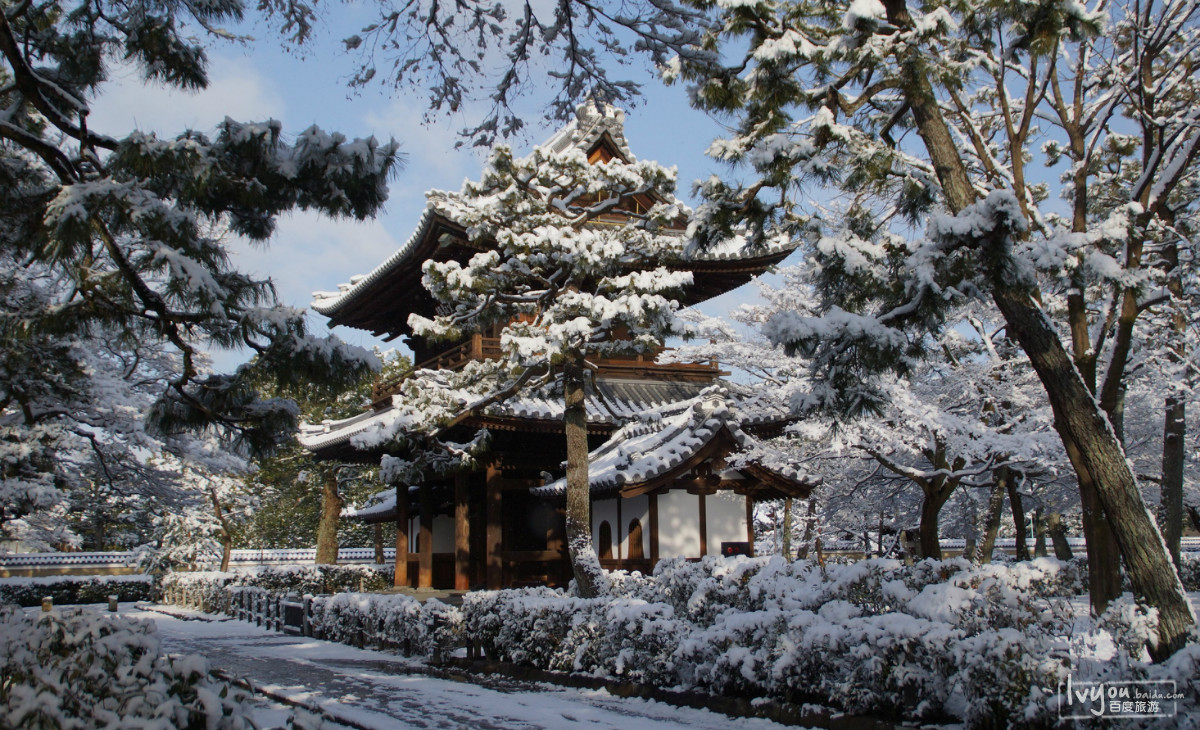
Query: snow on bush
x=387 y=620
x=986 y=645
x=360 y=619
x=65 y=590
x=939 y=640
x=78 y=669
x=288 y=579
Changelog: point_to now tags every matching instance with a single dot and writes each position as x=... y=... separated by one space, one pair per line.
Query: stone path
x=384 y=692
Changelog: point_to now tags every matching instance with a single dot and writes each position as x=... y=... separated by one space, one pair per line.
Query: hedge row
x=939 y=641
x=70 y=590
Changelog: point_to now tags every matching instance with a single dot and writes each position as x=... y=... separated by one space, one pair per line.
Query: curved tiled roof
x=655 y=445
x=611 y=402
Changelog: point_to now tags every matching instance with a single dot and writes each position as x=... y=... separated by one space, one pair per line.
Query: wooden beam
x=401 y=536
x=703 y=525
x=495 y=533
x=425 y=538
x=462 y=534
x=653 y=528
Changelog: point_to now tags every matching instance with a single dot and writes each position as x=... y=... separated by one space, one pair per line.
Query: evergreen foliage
x=115 y=277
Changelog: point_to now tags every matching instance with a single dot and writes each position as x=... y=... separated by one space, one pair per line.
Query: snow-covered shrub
x=67 y=590
x=737 y=652
x=203 y=590
x=78 y=669
x=430 y=628
x=528 y=626
x=300 y=579
x=638 y=640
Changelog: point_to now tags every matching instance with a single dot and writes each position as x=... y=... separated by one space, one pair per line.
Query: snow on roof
x=380 y=504
x=657 y=443
x=611 y=401
x=592 y=120
x=327 y=303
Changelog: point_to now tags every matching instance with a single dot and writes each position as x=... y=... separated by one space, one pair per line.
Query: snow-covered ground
x=383 y=691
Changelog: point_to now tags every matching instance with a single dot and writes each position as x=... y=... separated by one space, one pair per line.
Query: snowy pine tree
x=572 y=266
x=114 y=243
x=828 y=93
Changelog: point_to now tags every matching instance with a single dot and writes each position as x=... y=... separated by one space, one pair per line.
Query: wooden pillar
x=750 y=524
x=425 y=538
x=495 y=533
x=653 y=529
x=462 y=534
x=620 y=529
x=402 y=536
x=703 y=525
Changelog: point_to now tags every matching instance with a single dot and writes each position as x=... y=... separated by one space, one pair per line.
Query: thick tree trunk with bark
x=1058 y=536
x=1081 y=422
x=1078 y=418
x=1018 y=514
x=1104 y=557
x=327 y=527
x=377 y=542
x=589 y=576
x=995 y=513
x=927 y=533
x=1174 y=420
x=1039 y=534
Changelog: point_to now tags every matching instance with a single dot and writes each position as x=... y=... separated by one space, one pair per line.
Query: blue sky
x=261 y=79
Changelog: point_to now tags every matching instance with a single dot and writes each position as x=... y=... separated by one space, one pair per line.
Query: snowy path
x=380 y=691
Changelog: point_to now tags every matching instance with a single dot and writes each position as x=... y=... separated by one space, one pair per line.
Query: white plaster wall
x=635 y=508
x=725 y=514
x=678 y=525
x=605 y=509
x=443 y=534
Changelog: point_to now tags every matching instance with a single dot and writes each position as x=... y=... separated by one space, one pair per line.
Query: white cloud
x=236 y=89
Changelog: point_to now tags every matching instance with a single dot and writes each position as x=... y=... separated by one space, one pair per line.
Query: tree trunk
x=1078 y=418
x=1174 y=419
x=930 y=545
x=589 y=576
x=785 y=542
x=1018 y=515
x=1104 y=557
x=809 y=526
x=1081 y=422
x=377 y=540
x=1058 y=536
x=327 y=528
x=995 y=512
x=226 y=537
x=1039 y=534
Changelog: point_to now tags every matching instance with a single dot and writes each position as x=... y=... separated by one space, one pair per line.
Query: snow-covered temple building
x=661 y=435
